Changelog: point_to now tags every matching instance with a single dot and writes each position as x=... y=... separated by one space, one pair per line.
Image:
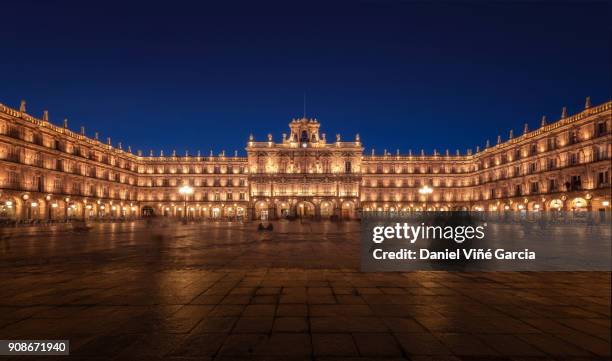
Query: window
x=552 y=185
x=36 y=160
x=601 y=153
x=533 y=167
x=518 y=190
x=13 y=154
x=552 y=163
x=534 y=187
x=39 y=184
x=217 y=196
x=576 y=183
x=533 y=149
x=573 y=137
x=573 y=159
x=242 y=196
x=601 y=129
x=230 y=196
x=57 y=185
x=603 y=179
x=347 y=167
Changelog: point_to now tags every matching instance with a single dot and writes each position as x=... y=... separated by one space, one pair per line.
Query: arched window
x=347 y=167
x=304 y=136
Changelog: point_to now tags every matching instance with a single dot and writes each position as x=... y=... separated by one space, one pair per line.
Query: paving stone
x=202 y=344
x=259 y=310
x=347 y=324
x=376 y=344
x=553 y=346
x=466 y=345
x=226 y=310
x=290 y=324
x=253 y=325
x=334 y=344
x=216 y=291
x=422 y=344
x=403 y=325
x=241 y=344
x=215 y=325
x=285 y=344
x=294 y=310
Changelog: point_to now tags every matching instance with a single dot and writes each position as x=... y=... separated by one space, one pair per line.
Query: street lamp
x=185 y=190
x=426 y=191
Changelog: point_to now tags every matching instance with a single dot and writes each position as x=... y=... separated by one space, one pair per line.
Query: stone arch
x=261 y=210
x=72 y=209
x=147 y=211
x=326 y=209
x=166 y=210
x=347 y=209
x=579 y=204
x=38 y=208
x=555 y=204
x=534 y=206
x=305 y=209
x=9 y=207
x=283 y=209
x=103 y=210
x=91 y=210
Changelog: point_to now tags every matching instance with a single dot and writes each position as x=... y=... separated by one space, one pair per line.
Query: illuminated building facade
x=52 y=172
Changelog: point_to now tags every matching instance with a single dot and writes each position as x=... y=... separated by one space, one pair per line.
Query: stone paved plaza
x=137 y=291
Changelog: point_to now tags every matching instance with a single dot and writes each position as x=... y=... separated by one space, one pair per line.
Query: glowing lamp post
x=426 y=191
x=185 y=190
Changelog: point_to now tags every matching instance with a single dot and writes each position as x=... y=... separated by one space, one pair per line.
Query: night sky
x=402 y=74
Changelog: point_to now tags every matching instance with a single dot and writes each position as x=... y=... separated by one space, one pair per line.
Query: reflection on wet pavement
x=225 y=291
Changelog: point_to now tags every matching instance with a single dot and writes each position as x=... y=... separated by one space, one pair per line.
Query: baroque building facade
x=51 y=172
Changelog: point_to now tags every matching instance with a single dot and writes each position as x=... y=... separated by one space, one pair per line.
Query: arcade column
x=337 y=210
x=318 y=211
x=272 y=211
x=250 y=212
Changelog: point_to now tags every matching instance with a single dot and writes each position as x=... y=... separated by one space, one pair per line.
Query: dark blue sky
x=403 y=74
